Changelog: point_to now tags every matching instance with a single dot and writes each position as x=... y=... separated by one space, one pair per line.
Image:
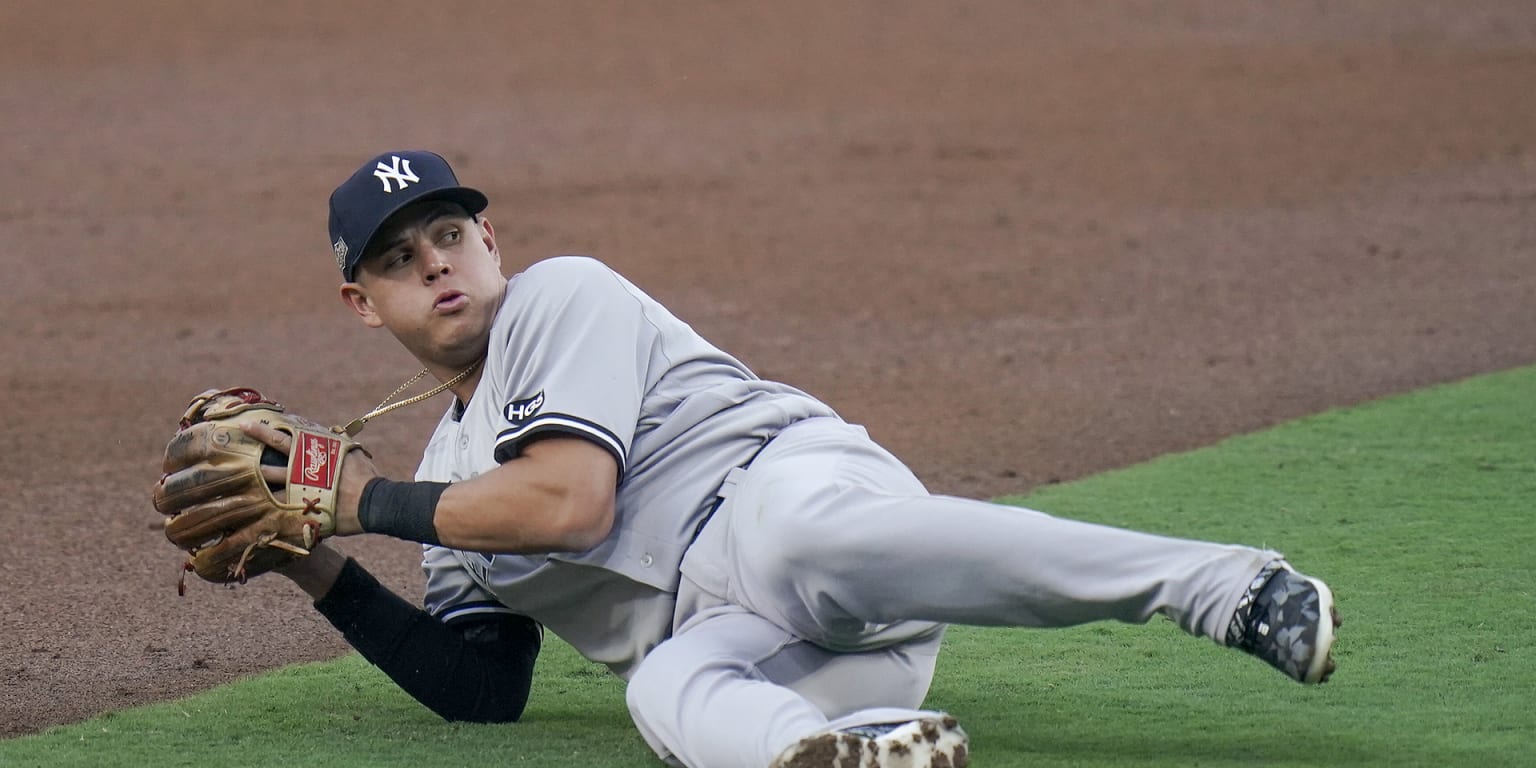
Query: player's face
x=434 y=280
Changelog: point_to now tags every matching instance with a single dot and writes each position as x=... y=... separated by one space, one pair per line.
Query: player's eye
x=400 y=259
x=449 y=237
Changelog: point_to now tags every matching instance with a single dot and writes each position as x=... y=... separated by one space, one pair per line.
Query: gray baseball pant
x=816 y=596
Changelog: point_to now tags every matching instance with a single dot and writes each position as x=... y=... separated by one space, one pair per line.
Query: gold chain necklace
x=356 y=425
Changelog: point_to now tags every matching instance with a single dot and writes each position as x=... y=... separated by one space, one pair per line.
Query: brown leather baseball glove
x=237 y=506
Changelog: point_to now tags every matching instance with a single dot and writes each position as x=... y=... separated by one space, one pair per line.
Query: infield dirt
x=1021 y=242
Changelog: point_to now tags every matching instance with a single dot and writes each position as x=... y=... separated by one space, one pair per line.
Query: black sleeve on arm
x=478 y=669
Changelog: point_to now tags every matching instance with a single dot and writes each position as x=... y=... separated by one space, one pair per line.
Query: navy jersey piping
x=507 y=439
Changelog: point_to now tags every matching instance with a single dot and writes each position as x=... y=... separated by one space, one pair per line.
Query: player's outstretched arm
x=478 y=669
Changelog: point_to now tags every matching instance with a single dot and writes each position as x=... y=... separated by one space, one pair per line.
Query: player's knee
x=680 y=705
x=671 y=692
x=671 y=673
x=647 y=685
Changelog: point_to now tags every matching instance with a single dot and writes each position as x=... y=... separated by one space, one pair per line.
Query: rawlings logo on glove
x=317 y=454
x=237 y=506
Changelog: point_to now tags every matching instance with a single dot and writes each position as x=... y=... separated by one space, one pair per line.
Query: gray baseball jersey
x=816 y=594
x=578 y=350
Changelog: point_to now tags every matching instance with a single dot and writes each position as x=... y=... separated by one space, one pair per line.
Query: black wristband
x=400 y=509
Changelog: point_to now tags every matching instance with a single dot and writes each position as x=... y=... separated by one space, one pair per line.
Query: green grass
x=1416 y=509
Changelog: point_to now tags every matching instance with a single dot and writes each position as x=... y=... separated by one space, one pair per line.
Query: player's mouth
x=449 y=302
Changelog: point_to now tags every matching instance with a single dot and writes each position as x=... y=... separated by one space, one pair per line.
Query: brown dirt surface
x=1021 y=241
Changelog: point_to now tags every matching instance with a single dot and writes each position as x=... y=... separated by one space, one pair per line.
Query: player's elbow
x=576 y=482
x=585 y=521
x=507 y=709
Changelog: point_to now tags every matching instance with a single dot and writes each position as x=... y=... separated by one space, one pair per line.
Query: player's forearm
x=317 y=573
x=495 y=513
x=477 y=671
x=482 y=517
x=557 y=497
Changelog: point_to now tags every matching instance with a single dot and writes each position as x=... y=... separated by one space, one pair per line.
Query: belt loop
x=727 y=487
x=732 y=479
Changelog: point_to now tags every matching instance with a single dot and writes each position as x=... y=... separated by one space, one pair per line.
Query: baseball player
x=772 y=585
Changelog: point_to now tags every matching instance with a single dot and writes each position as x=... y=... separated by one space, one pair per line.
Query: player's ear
x=488 y=235
x=355 y=297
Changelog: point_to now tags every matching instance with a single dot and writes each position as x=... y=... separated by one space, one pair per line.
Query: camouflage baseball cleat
x=929 y=742
x=1282 y=620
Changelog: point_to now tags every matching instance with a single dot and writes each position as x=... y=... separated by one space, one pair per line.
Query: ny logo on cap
x=399 y=171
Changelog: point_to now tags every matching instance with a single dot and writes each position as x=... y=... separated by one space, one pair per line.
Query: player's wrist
x=355 y=474
x=404 y=510
x=317 y=572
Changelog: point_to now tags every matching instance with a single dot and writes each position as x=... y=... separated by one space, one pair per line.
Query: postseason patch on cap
x=340 y=247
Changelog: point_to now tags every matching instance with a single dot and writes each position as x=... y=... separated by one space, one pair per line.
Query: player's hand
x=248 y=487
x=355 y=474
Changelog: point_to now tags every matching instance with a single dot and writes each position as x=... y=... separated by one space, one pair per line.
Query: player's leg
x=830 y=535
x=731 y=690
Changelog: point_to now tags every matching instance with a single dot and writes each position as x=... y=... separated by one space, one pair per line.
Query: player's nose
x=434 y=265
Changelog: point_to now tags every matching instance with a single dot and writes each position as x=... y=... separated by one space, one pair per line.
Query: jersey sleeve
x=578 y=356
x=451 y=593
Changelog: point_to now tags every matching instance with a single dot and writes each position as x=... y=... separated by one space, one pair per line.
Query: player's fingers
x=274 y=457
x=268 y=434
x=276 y=476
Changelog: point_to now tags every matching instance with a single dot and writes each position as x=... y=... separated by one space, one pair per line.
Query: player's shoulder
x=562 y=282
x=567 y=269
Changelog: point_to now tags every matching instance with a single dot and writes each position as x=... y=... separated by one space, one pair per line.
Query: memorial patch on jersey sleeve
x=518 y=412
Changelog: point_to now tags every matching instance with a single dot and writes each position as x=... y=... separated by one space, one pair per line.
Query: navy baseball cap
x=383 y=186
